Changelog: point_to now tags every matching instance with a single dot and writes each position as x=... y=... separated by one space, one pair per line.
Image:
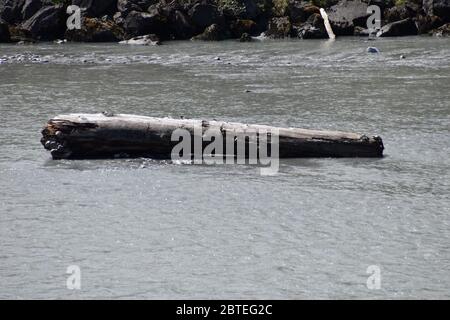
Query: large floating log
x=103 y=135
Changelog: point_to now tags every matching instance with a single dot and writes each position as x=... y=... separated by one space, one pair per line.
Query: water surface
x=150 y=229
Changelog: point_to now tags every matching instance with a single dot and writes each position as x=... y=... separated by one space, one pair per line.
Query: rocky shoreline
x=27 y=21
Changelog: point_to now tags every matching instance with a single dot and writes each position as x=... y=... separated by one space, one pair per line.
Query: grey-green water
x=149 y=229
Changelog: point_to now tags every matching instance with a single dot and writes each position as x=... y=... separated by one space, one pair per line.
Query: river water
x=152 y=229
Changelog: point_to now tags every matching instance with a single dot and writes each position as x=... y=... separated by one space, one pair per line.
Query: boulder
x=442 y=31
x=396 y=13
x=96 y=30
x=146 y=40
x=118 y=18
x=383 y=4
x=30 y=7
x=373 y=50
x=49 y=23
x=361 y=32
x=307 y=31
x=142 y=23
x=4 y=32
x=126 y=6
x=313 y=28
x=345 y=15
x=11 y=10
x=19 y=35
x=280 y=7
x=440 y=8
x=406 y=27
x=204 y=15
x=427 y=23
x=279 y=27
x=96 y=8
x=427 y=6
x=242 y=9
x=233 y=9
x=300 y=11
x=245 y=37
x=181 y=25
x=212 y=33
x=241 y=26
x=253 y=8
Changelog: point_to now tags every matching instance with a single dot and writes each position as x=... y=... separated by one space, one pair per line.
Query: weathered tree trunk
x=80 y=136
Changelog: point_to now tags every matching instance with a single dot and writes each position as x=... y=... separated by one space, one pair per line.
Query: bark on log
x=82 y=136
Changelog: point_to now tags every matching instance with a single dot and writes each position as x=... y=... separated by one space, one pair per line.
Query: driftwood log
x=103 y=135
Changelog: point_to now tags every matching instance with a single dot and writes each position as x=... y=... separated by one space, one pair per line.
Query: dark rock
x=408 y=10
x=212 y=33
x=313 y=28
x=49 y=23
x=443 y=31
x=11 y=10
x=373 y=50
x=241 y=9
x=181 y=25
x=383 y=4
x=427 y=6
x=30 y=8
x=96 y=8
x=259 y=11
x=427 y=23
x=96 y=30
x=234 y=9
x=279 y=27
x=204 y=15
x=240 y=26
x=279 y=8
x=245 y=37
x=440 y=8
x=167 y=20
x=316 y=20
x=19 y=35
x=345 y=15
x=118 y=18
x=300 y=11
x=4 y=32
x=168 y=7
x=126 y=6
x=326 y=3
x=141 y=23
x=406 y=27
x=251 y=9
x=307 y=31
x=361 y=32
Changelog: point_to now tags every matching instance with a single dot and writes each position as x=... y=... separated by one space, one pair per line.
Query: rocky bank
x=212 y=20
